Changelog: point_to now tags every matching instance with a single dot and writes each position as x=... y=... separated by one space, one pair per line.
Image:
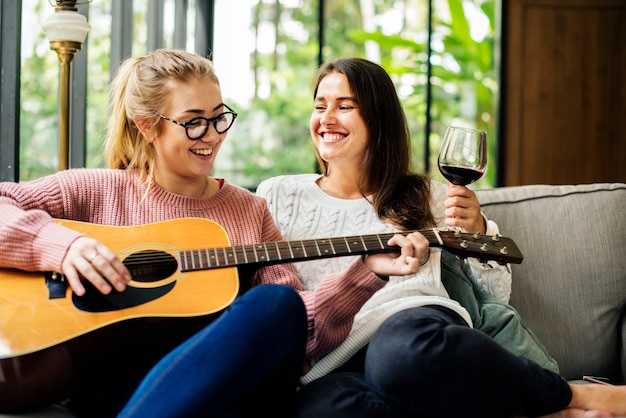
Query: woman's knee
x=279 y=307
x=277 y=299
x=409 y=344
x=420 y=329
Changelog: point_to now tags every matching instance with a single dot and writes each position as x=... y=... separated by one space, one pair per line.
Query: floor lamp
x=67 y=30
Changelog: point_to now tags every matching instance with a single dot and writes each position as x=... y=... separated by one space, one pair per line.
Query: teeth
x=333 y=137
x=202 y=151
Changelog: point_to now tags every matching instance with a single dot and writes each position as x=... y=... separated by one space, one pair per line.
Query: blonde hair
x=140 y=91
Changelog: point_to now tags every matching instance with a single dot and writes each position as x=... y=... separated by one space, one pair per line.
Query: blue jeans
x=246 y=361
x=426 y=362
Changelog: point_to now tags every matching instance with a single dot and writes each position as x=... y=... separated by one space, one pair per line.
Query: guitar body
x=51 y=346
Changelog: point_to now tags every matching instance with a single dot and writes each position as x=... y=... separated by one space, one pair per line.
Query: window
x=266 y=53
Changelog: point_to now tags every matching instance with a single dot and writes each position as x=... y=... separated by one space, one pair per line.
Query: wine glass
x=463 y=155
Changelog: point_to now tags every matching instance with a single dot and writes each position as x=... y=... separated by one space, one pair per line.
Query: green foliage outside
x=39 y=127
x=271 y=135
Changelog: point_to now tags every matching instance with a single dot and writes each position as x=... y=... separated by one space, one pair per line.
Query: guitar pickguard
x=94 y=301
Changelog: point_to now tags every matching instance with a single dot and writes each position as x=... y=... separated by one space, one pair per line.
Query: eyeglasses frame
x=186 y=125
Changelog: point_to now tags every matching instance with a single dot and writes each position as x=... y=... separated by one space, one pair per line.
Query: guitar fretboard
x=290 y=251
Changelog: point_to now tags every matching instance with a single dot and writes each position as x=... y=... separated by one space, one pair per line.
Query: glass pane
x=464 y=74
x=39 y=153
x=39 y=148
x=266 y=53
x=265 y=56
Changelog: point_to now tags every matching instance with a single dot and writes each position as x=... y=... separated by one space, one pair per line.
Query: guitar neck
x=480 y=246
x=285 y=251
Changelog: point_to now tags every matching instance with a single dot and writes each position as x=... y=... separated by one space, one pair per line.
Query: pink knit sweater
x=31 y=240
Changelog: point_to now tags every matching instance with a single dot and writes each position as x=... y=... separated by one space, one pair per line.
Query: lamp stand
x=66 y=51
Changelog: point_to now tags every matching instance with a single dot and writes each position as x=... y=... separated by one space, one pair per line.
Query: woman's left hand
x=414 y=252
x=463 y=210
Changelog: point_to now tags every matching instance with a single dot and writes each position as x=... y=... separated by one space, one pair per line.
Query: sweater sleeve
x=332 y=306
x=29 y=238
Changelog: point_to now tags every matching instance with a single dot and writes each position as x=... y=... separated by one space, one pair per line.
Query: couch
x=571 y=286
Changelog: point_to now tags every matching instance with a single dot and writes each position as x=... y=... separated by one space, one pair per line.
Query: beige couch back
x=571 y=285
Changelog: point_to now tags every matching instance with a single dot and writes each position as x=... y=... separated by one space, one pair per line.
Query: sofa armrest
x=571 y=286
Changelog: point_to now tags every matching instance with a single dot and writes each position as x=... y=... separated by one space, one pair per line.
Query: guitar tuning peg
x=476 y=235
x=495 y=237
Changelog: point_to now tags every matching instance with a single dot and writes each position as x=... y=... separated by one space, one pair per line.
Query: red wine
x=459 y=175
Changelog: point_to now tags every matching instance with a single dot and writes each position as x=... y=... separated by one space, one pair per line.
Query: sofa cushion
x=571 y=286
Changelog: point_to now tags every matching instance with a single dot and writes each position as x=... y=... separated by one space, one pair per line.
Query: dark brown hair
x=401 y=196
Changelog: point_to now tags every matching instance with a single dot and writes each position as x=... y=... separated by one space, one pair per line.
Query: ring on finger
x=92 y=256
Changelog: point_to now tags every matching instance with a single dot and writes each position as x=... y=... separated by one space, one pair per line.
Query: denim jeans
x=246 y=361
x=426 y=362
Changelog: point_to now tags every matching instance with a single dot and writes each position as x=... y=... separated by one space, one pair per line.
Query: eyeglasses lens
x=223 y=122
x=197 y=128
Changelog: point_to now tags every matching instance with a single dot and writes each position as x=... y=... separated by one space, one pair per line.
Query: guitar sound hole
x=150 y=265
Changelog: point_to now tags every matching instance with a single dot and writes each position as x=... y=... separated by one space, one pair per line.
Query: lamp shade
x=66 y=25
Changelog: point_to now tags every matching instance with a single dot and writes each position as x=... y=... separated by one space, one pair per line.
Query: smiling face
x=337 y=128
x=180 y=160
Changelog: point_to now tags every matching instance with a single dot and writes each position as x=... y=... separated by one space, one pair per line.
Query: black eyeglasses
x=197 y=127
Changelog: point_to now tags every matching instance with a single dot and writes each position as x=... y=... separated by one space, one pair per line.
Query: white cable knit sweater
x=303 y=211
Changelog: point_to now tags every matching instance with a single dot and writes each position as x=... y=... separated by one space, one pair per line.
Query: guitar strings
x=374 y=242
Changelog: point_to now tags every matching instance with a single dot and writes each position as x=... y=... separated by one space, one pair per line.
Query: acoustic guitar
x=53 y=343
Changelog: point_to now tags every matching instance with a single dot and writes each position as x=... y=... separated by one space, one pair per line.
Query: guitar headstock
x=483 y=247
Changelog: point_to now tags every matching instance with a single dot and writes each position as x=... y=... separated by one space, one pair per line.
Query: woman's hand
x=92 y=260
x=463 y=210
x=414 y=252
